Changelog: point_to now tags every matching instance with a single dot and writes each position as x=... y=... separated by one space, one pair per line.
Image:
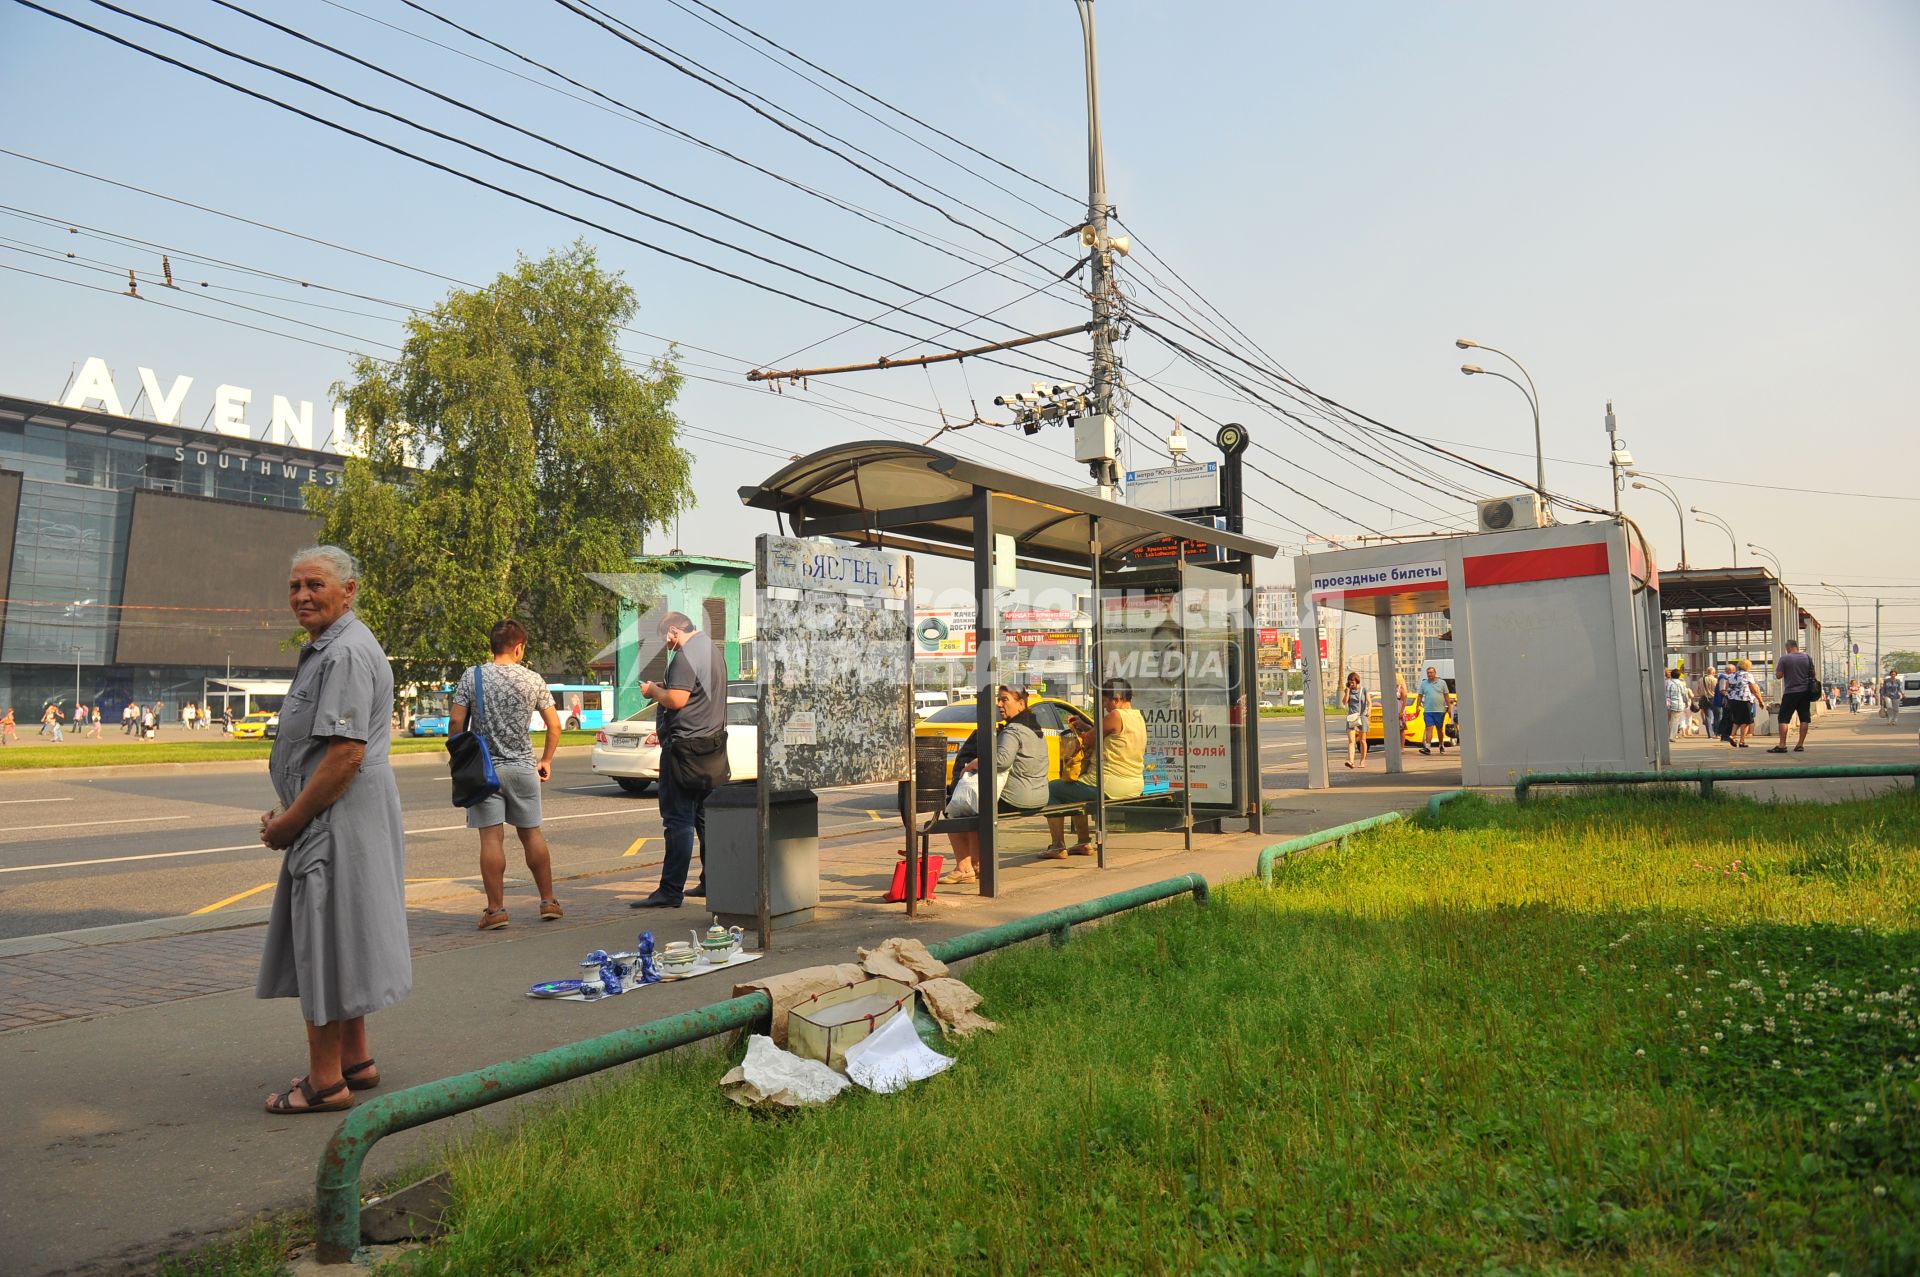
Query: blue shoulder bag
x=474 y=779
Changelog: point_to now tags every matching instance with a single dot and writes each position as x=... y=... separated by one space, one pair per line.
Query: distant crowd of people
x=143 y=722
x=1727 y=702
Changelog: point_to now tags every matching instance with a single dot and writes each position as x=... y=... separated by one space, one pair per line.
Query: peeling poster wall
x=833 y=654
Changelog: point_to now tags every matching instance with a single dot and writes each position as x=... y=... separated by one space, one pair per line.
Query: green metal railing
x=337 y=1185
x=1307 y=842
x=1707 y=777
x=1271 y=856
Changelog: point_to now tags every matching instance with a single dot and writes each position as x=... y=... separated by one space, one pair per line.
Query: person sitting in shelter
x=1020 y=766
x=1123 y=768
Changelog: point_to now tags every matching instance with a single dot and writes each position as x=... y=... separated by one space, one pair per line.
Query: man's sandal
x=1082 y=849
x=363 y=1076
x=281 y=1102
x=492 y=920
x=1054 y=853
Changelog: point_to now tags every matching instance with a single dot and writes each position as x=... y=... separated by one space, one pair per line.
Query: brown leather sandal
x=281 y=1102
x=357 y=1075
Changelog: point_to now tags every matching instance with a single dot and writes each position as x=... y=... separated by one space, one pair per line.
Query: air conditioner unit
x=1504 y=514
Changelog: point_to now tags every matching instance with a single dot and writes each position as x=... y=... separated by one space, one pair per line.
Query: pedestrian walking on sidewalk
x=1796 y=695
x=1359 y=703
x=692 y=719
x=1676 y=704
x=1890 y=698
x=1744 y=703
x=8 y=734
x=93 y=723
x=1723 y=701
x=1432 y=691
x=510 y=695
x=50 y=723
x=337 y=932
x=80 y=719
x=129 y=714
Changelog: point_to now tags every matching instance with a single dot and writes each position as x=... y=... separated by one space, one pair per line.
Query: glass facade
x=80 y=470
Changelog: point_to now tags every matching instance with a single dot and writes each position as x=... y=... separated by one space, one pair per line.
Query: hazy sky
x=1702 y=212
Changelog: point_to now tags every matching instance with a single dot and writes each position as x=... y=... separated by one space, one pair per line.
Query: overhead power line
x=879 y=102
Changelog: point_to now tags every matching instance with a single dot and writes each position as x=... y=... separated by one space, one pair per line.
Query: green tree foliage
x=1902 y=660
x=507 y=452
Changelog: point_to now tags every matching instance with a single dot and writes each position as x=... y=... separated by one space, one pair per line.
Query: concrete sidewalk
x=138 y=1131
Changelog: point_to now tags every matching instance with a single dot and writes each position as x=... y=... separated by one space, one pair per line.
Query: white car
x=629 y=751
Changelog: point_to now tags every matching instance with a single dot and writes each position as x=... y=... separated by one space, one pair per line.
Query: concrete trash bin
x=793 y=856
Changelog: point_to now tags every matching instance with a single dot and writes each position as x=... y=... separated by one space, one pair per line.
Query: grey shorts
x=517 y=803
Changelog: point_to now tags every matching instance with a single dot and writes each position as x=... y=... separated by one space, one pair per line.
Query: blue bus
x=581 y=706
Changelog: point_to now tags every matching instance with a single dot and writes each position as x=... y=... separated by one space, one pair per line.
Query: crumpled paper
x=770 y=1077
x=893 y=1057
x=905 y=960
x=951 y=1003
x=791 y=988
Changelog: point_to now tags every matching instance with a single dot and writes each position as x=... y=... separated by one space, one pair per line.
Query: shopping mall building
x=140 y=559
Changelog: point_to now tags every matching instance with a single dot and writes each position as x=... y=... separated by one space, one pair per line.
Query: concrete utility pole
x=1878 y=668
x=1095 y=436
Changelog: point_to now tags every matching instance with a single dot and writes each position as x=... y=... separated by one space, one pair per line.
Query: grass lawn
x=1599 y=1034
x=217 y=750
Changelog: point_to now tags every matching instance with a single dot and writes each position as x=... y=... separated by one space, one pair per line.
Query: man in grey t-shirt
x=693 y=706
x=1795 y=671
x=510 y=695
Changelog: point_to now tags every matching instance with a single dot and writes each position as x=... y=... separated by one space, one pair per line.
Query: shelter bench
x=967 y=824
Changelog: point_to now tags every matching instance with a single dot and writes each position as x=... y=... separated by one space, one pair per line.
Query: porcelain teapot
x=719 y=943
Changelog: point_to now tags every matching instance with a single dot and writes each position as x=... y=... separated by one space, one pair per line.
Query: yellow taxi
x=956 y=722
x=252 y=727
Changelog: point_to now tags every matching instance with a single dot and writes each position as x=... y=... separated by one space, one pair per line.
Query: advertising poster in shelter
x=1144 y=646
x=834 y=663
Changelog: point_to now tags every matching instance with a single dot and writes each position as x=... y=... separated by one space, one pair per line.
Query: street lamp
x=1707 y=516
x=1533 y=402
x=1848 y=663
x=1670 y=495
x=1763 y=551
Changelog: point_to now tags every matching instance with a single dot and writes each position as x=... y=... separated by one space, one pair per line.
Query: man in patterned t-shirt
x=510 y=696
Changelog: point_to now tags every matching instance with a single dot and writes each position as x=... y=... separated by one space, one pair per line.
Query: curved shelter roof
x=913 y=497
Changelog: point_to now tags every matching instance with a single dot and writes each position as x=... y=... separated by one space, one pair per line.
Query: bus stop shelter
x=1170 y=610
x=1730 y=614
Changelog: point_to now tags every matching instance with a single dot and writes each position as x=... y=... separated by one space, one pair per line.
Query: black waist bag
x=699 y=766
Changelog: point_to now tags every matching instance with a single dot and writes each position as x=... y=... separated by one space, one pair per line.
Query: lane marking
x=634 y=850
x=88 y=824
x=252 y=846
x=590 y=789
x=8 y=802
x=221 y=904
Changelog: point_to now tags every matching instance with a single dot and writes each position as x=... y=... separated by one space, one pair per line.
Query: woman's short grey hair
x=338 y=561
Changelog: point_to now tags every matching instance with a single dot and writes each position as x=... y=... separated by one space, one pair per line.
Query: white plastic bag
x=894 y=1056
x=966 y=796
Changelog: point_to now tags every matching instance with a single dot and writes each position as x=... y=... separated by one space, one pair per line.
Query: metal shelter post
x=1316 y=706
x=1249 y=702
x=763 y=922
x=1186 y=710
x=1393 y=726
x=912 y=803
x=1098 y=655
x=986 y=710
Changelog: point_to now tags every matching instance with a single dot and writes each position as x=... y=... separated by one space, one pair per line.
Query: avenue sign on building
x=286 y=423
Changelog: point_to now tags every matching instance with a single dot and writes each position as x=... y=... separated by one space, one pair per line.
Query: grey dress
x=337 y=934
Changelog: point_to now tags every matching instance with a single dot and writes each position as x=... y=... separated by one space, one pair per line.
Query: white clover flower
x=1879 y=1190
x=1870 y=1106
x=1776 y=1064
x=1705 y=1051
x=1718 y=1035
x=1641 y=1053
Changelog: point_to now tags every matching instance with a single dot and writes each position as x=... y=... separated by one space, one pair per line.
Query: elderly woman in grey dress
x=337 y=934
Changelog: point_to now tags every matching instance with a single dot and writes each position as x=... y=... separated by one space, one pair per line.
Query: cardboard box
x=826 y=1024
